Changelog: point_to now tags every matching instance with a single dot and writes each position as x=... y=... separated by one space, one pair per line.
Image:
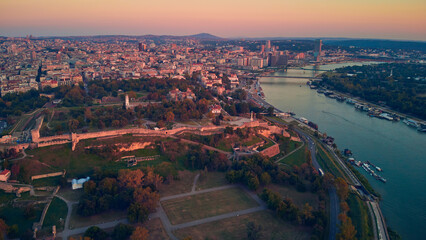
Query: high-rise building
x=268 y=45
x=317 y=50
x=142 y=47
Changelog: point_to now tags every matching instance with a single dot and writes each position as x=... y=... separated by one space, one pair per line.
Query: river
x=399 y=150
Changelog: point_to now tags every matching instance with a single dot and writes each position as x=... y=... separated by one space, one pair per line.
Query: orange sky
x=394 y=19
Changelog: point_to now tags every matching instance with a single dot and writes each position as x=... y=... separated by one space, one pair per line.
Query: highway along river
x=399 y=150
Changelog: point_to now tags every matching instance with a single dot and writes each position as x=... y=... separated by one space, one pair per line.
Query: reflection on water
x=399 y=150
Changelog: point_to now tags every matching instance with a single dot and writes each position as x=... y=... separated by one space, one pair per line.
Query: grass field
x=56 y=214
x=80 y=163
x=155 y=229
x=297 y=158
x=71 y=195
x=77 y=221
x=182 y=185
x=328 y=164
x=360 y=217
x=299 y=198
x=235 y=228
x=211 y=180
x=6 y=197
x=12 y=215
x=187 y=209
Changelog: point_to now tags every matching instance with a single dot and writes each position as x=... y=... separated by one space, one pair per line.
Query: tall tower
x=317 y=51
x=126 y=102
x=268 y=45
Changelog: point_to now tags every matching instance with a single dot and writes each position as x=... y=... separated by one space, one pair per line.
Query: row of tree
x=133 y=190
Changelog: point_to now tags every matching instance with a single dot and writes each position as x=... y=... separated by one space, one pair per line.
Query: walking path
x=288 y=154
x=160 y=213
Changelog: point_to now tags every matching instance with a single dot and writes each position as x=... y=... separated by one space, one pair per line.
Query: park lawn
x=297 y=158
x=44 y=182
x=71 y=195
x=81 y=163
x=56 y=214
x=181 y=185
x=155 y=229
x=298 y=198
x=204 y=205
x=211 y=180
x=236 y=228
x=360 y=217
x=6 y=197
x=251 y=141
x=77 y=221
x=14 y=215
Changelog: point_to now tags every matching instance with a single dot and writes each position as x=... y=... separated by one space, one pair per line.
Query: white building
x=78 y=183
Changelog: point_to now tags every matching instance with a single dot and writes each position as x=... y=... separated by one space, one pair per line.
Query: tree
x=169 y=116
x=271 y=111
x=140 y=233
x=13 y=231
x=96 y=233
x=122 y=231
x=253 y=183
x=3 y=229
x=347 y=229
x=265 y=178
x=146 y=197
x=253 y=231
x=137 y=213
x=73 y=125
x=342 y=189
x=130 y=179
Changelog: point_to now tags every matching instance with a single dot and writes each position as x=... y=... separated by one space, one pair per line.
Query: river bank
x=391 y=145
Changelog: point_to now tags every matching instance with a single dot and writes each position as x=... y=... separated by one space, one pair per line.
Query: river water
x=399 y=150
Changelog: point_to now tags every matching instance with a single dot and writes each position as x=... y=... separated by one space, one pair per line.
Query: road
x=334 y=201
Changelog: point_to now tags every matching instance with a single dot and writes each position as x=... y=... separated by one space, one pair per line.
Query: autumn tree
x=140 y=233
x=347 y=229
x=342 y=189
x=3 y=229
x=130 y=178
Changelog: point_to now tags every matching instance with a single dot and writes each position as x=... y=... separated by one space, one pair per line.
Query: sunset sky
x=390 y=19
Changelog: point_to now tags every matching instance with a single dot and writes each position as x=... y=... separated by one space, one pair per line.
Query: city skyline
x=252 y=19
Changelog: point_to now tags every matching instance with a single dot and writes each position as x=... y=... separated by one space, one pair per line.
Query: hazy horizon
x=366 y=19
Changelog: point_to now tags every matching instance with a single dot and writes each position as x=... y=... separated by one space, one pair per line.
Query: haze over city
x=392 y=19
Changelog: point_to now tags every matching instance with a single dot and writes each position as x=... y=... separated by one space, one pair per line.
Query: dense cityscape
x=109 y=133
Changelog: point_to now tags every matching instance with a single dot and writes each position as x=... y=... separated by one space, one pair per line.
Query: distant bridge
x=313 y=78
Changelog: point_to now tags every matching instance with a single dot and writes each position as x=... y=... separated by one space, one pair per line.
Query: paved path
x=288 y=154
x=66 y=232
x=194 y=184
x=198 y=192
x=217 y=218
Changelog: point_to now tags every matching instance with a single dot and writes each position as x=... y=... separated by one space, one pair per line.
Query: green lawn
x=80 y=163
x=273 y=228
x=56 y=214
x=297 y=158
x=77 y=221
x=360 y=217
x=211 y=180
x=187 y=209
x=6 y=197
x=328 y=164
x=14 y=215
x=182 y=184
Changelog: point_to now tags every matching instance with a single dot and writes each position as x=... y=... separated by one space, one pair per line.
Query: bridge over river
x=303 y=77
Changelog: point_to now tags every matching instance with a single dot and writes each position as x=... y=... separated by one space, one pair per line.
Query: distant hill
x=206 y=36
x=379 y=44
